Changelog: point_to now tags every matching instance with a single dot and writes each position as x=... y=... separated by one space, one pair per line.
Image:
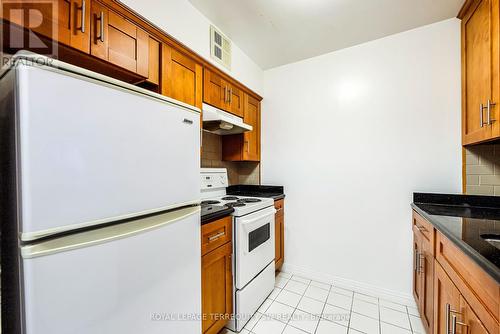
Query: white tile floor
x=299 y=305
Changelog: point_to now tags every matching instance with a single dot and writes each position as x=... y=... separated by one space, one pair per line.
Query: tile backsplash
x=238 y=172
x=482 y=169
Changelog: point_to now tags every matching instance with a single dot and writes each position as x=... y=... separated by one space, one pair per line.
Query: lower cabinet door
x=278 y=240
x=426 y=286
x=417 y=281
x=446 y=301
x=467 y=322
x=216 y=288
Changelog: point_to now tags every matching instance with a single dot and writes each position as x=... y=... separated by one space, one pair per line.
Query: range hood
x=221 y=122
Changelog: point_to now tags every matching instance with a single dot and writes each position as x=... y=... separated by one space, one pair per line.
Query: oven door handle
x=249 y=224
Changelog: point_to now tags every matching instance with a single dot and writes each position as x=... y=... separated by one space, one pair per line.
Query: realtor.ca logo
x=25 y=22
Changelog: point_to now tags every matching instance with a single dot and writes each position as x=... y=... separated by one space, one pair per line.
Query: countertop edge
x=480 y=260
x=216 y=216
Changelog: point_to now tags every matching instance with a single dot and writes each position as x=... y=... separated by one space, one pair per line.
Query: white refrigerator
x=101 y=223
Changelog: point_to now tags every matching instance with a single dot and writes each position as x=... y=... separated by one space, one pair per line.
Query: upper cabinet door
x=181 y=77
x=235 y=101
x=251 y=139
x=99 y=30
x=80 y=25
x=214 y=90
x=117 y=40
x=480 y=71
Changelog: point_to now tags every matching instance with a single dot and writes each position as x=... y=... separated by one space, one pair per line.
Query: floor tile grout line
x=323 y=309
x=295 y=309
x=409 y=319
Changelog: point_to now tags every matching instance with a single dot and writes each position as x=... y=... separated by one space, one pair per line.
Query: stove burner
x=235 y=204
x=230 y=198
x=209 y=202
x=249 y=200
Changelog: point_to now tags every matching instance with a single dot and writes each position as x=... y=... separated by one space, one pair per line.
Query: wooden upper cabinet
x=117 y=40
x=480 y=66
x=221 y=93
x=446 y=300
x=67 y=21
x=214 y=89
x=235 y=101
x=181 y=77
x=251 y=139
x=154 y=62
x=79 y=25
x=246 y=146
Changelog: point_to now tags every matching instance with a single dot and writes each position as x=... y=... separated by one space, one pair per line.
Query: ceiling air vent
x=220 y=47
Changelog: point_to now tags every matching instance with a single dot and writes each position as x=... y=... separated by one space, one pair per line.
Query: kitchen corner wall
x=482 y=169
x=238 y=172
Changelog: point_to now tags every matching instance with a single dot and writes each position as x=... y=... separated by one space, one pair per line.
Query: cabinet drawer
x=479 y=290
x=279 y=205
x=215 y=234
x=423 y=227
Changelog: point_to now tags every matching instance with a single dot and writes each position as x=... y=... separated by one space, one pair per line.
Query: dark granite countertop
x=471 y=222
x=274 y=192
x=210 y=213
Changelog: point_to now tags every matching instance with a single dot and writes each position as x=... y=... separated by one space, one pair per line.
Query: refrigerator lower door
x=95 y=152
x=138 y=277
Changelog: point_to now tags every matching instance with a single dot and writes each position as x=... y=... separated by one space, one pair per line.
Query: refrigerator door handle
x=106 y=234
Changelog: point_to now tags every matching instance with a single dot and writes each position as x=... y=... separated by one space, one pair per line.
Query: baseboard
x=397 y=297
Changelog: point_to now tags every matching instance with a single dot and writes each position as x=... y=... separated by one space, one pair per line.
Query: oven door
x=254 y=247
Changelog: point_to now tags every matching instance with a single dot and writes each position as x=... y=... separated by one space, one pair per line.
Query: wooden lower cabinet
x=279 y=230
x=454 y=296
x=216 y=275
x=469 y=321
x=446 y=295
x=423 y=270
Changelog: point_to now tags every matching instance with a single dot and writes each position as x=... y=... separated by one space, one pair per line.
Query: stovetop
x=242 y=205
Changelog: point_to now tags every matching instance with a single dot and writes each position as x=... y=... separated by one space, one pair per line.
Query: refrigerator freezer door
x=141 y=277
x=92 y=152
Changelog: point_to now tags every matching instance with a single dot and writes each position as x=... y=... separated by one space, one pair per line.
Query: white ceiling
x=277 y=32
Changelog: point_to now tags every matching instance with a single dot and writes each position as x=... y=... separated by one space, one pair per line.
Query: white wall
x=351 y=135
x=185 y=23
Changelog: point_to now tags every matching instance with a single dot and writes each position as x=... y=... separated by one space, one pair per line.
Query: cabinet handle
x=248 y=146
x=481 y=121
x=230 y=95
x=421 y=228
x=454 y=324
x=83 y=8
x=101 y=30
x=415 y=264
x=453 y=318
x=420 y=265
x=216 y=236
x=488 y=112
x=225 y=94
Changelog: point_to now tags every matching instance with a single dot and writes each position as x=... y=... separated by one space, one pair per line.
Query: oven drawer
x=216 y=234
x=249 y=299
x=254 y=244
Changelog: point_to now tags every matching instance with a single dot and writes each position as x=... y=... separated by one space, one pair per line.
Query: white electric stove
x=253 y=244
